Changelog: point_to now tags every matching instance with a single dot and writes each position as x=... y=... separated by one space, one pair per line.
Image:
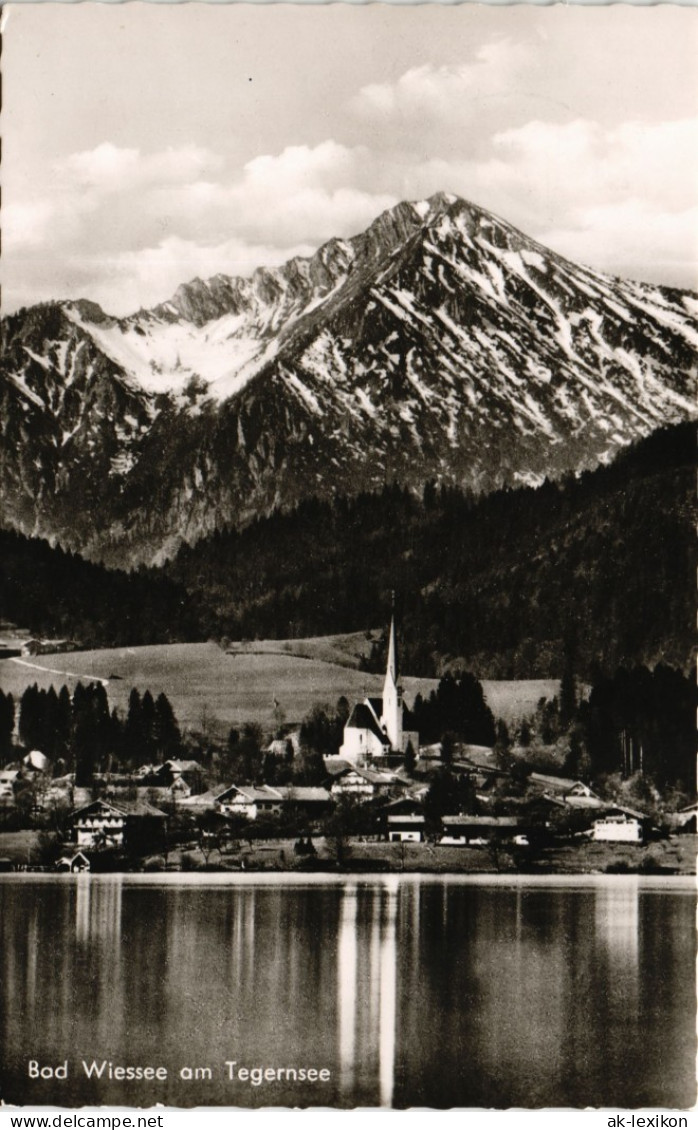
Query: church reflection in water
x=411 y=991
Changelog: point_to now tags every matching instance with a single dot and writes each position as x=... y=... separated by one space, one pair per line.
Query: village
x=383 y=800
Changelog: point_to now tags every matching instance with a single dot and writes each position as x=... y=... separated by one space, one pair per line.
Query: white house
x=618 y=829
x=250 y=801
x=374 y=727
x=361 y=783
x=406 y=829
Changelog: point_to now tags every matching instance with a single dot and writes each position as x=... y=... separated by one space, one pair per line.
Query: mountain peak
x=439 y=344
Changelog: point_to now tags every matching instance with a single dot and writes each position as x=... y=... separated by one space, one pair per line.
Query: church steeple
x=392 y=692
x=391 y=671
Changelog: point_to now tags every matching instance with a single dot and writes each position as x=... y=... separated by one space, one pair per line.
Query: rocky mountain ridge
x=441 y=344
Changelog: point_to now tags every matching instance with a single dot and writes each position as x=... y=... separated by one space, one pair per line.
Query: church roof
x=362 y=717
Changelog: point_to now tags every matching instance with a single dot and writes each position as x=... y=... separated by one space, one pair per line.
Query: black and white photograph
x=348 y=557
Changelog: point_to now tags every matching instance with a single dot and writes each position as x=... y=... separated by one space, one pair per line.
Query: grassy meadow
x=221 y=688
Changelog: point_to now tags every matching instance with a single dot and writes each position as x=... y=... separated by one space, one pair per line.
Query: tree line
x=493 y=584
x=79 y=733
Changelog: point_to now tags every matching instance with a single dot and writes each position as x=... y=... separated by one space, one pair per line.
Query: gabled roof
x=303 y=793
x=100 y=805
x=481 y=821
x=375 y=776
x=560 y=784
x=363 y=718
x=252 y=793
x=123 y=808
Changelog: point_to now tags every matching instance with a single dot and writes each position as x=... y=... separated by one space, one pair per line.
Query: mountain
x=441 y=344
x=507 y=585
x=600 y=566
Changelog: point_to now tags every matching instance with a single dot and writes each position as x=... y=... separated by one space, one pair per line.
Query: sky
x=145 y=145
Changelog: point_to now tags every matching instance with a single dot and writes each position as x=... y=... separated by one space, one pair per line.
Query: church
x=374 y=731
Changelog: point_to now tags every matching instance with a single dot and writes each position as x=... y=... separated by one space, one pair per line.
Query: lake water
x=471 y=992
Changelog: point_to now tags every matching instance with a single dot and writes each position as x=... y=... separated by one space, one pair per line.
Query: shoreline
x=675 y=856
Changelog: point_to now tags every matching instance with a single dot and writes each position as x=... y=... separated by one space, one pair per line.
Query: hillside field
x=241 y=684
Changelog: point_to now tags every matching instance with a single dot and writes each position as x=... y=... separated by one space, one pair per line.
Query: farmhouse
x=618 y=829
x=102 y=824
x=405 y=829
x=252 y=801
x=374 y=729
x=478 y=829
x=364 y=784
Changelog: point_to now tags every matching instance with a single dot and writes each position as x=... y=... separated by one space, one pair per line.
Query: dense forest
x=505 y=585
x=601 y=567
x=60 y=595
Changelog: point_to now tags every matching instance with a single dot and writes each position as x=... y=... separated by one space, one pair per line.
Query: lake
x=487 y=991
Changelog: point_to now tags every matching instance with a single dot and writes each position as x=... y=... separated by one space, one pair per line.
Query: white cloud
x=111 y=168
x=126 y=228
x=447 y=95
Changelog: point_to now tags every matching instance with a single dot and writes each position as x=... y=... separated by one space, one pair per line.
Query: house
x=250 y=801
x=35 y=762
x=559 y=786
x=183 y=777
x=618 y=829
x=8 y=779
x=75 y=863
x=362 y=784
x=312 y=801
x=99 y=824
x=133 y=825
x=405 y=829
x=374 y=730
x=684 y=820
x=202 y=802
x=282 y=747
x=477 y=830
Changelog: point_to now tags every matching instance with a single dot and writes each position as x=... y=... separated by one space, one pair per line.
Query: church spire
x=392 y=668
x=391 y=718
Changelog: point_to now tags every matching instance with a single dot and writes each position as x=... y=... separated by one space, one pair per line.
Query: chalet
x=202 y=802
x=362 y=784
x=374 y=731
x=182 y=777
x=250 y=801
x=405 y=829
x=559 y=786
x=314 y=802
x=618 y=829
x=476 y=830
x=102 y=824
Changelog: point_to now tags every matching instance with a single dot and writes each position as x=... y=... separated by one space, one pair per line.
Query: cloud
x=446 y=95
x=111 y=168
x=126 y=228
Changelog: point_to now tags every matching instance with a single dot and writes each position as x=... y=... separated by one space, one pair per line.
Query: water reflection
x=346 y=987
x=388 y=996
x=409 y=992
